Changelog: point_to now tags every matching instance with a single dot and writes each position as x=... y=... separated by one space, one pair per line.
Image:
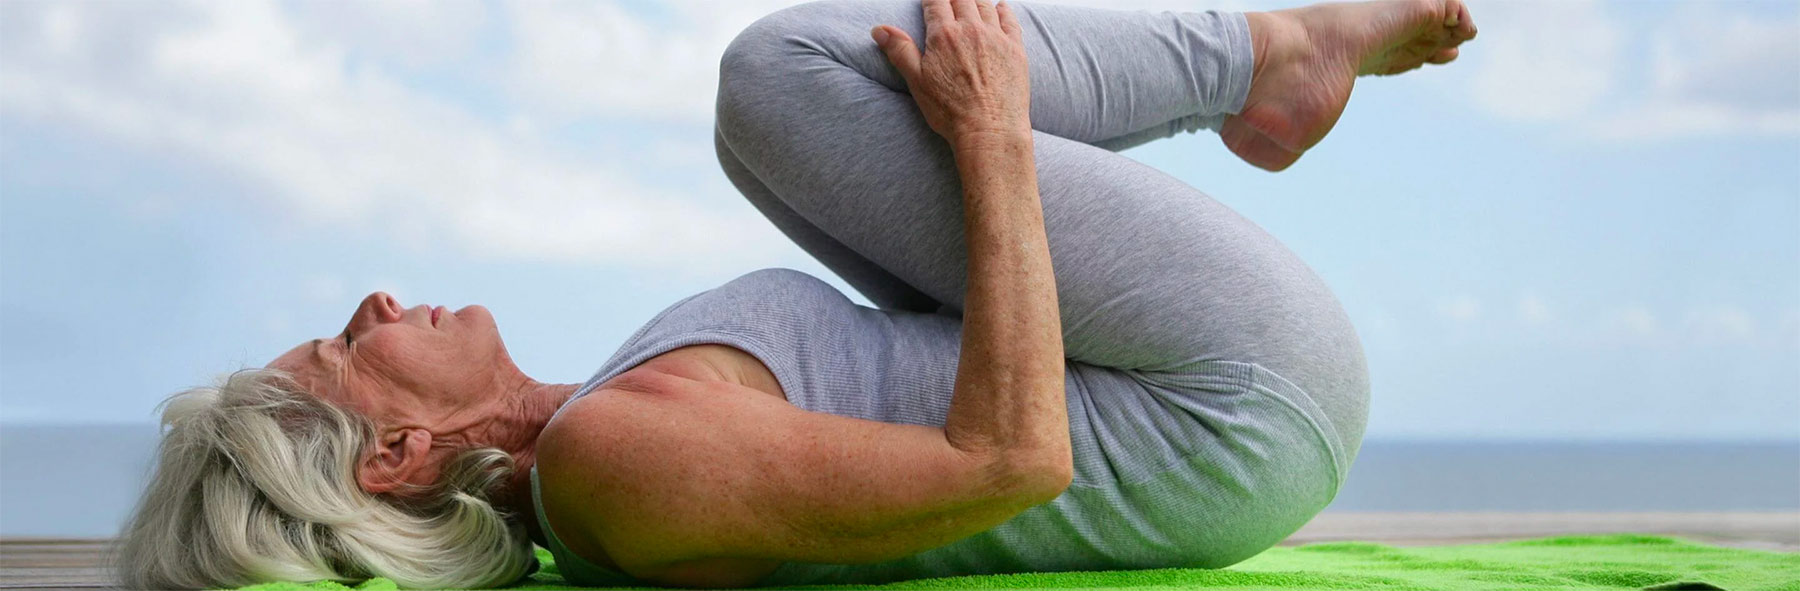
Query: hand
x=972 y=79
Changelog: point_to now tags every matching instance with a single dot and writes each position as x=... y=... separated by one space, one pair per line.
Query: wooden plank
x=37 y=563
x=79 y=564
x=90 y=574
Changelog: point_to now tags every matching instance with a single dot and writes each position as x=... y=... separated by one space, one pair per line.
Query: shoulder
x=625 y=466
x=573 y=457
x=607 y=431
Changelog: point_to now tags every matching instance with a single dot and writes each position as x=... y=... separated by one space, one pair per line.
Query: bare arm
x=1009 y=396
x=705 y=485
x=710 y=484
x=974 y=89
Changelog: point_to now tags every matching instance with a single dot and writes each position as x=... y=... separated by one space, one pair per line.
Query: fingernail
x=880 y=34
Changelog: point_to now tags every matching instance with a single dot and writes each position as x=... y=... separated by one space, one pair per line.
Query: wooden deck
x=77 y=564
x=52 y=564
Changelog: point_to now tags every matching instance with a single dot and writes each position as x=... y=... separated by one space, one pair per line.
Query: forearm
x=1009 y=398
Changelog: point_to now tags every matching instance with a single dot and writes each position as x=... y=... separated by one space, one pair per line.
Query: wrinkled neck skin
x=514 y=428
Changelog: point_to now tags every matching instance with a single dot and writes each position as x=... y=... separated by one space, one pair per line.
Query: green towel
x=1572 y=562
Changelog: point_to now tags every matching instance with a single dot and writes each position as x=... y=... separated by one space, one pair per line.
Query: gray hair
x=256 y=482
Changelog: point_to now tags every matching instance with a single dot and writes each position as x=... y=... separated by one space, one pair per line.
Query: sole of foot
x=1308 y=59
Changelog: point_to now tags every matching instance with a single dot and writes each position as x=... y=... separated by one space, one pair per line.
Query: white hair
x=256 y=482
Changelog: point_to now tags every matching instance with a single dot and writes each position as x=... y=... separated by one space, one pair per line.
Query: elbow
x=1035 y=475
x=1060 y=477
x=1042 y=478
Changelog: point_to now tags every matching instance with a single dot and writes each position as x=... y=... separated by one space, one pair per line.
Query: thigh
x=881 y=287
x=1152 y=274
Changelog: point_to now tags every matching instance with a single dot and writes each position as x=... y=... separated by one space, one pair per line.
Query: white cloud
x=617 y=59
x=1462 y=308
x=1636 y=325
x=1543 y=60
x=604 y=58
x=1533 y=310
x=1634 y=321
x=410 y=33
x=1710 y=69
x=1720 y=324
x=309 y=104
x=1731 y=60
x=236 y=86
x=1667 y=119
x=1715 y=72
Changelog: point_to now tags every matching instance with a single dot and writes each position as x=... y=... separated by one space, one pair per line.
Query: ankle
x=1275 y=37
x=1261 y=28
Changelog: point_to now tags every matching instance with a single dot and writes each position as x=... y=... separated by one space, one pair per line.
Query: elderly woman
x=1179 y=391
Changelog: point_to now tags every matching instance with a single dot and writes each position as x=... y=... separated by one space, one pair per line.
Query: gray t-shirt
x=1202 y=468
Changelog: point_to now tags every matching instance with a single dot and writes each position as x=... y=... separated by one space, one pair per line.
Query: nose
x=382 y=307
x=376 y=308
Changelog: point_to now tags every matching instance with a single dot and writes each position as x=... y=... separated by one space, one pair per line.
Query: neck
x=515 y=429
x=522 y=415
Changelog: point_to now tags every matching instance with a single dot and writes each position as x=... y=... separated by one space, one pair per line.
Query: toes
x=1443 y=56
x=1457 y=20
x=1465 y=26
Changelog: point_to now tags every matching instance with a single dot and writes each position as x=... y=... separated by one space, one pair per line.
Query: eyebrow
x=318 y=353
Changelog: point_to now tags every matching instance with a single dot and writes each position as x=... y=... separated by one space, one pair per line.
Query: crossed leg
x=1152 y=275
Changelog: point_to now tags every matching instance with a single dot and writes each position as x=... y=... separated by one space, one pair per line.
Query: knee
x=756 y=64
x=784 y=44
x=776 y=42
x=755 y=49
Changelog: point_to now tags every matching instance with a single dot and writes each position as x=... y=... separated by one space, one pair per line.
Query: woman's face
x=404 y=366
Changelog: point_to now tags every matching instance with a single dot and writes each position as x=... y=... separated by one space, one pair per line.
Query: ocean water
x=82 y=480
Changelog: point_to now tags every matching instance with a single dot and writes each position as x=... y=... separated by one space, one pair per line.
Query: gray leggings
x=818 y=132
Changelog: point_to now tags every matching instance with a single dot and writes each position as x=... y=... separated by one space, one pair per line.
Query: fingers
x=1008 y=21
x=965 y=10
x=1443 y=56
x=988 y=16
x=937 y=12
x=900 y=50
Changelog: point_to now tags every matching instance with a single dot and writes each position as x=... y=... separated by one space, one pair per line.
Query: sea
x=81 y=481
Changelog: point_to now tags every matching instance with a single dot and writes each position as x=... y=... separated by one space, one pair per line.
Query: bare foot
x=1307 y=60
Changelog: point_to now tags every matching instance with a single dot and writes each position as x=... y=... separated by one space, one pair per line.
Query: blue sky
x=1588 y=227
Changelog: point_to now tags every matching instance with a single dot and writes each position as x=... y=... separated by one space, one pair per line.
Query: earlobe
x=394 y=461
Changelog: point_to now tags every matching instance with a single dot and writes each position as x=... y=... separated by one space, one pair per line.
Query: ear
x=400 y=457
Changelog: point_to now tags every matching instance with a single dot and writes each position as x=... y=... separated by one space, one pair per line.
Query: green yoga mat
x=1571 y=562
